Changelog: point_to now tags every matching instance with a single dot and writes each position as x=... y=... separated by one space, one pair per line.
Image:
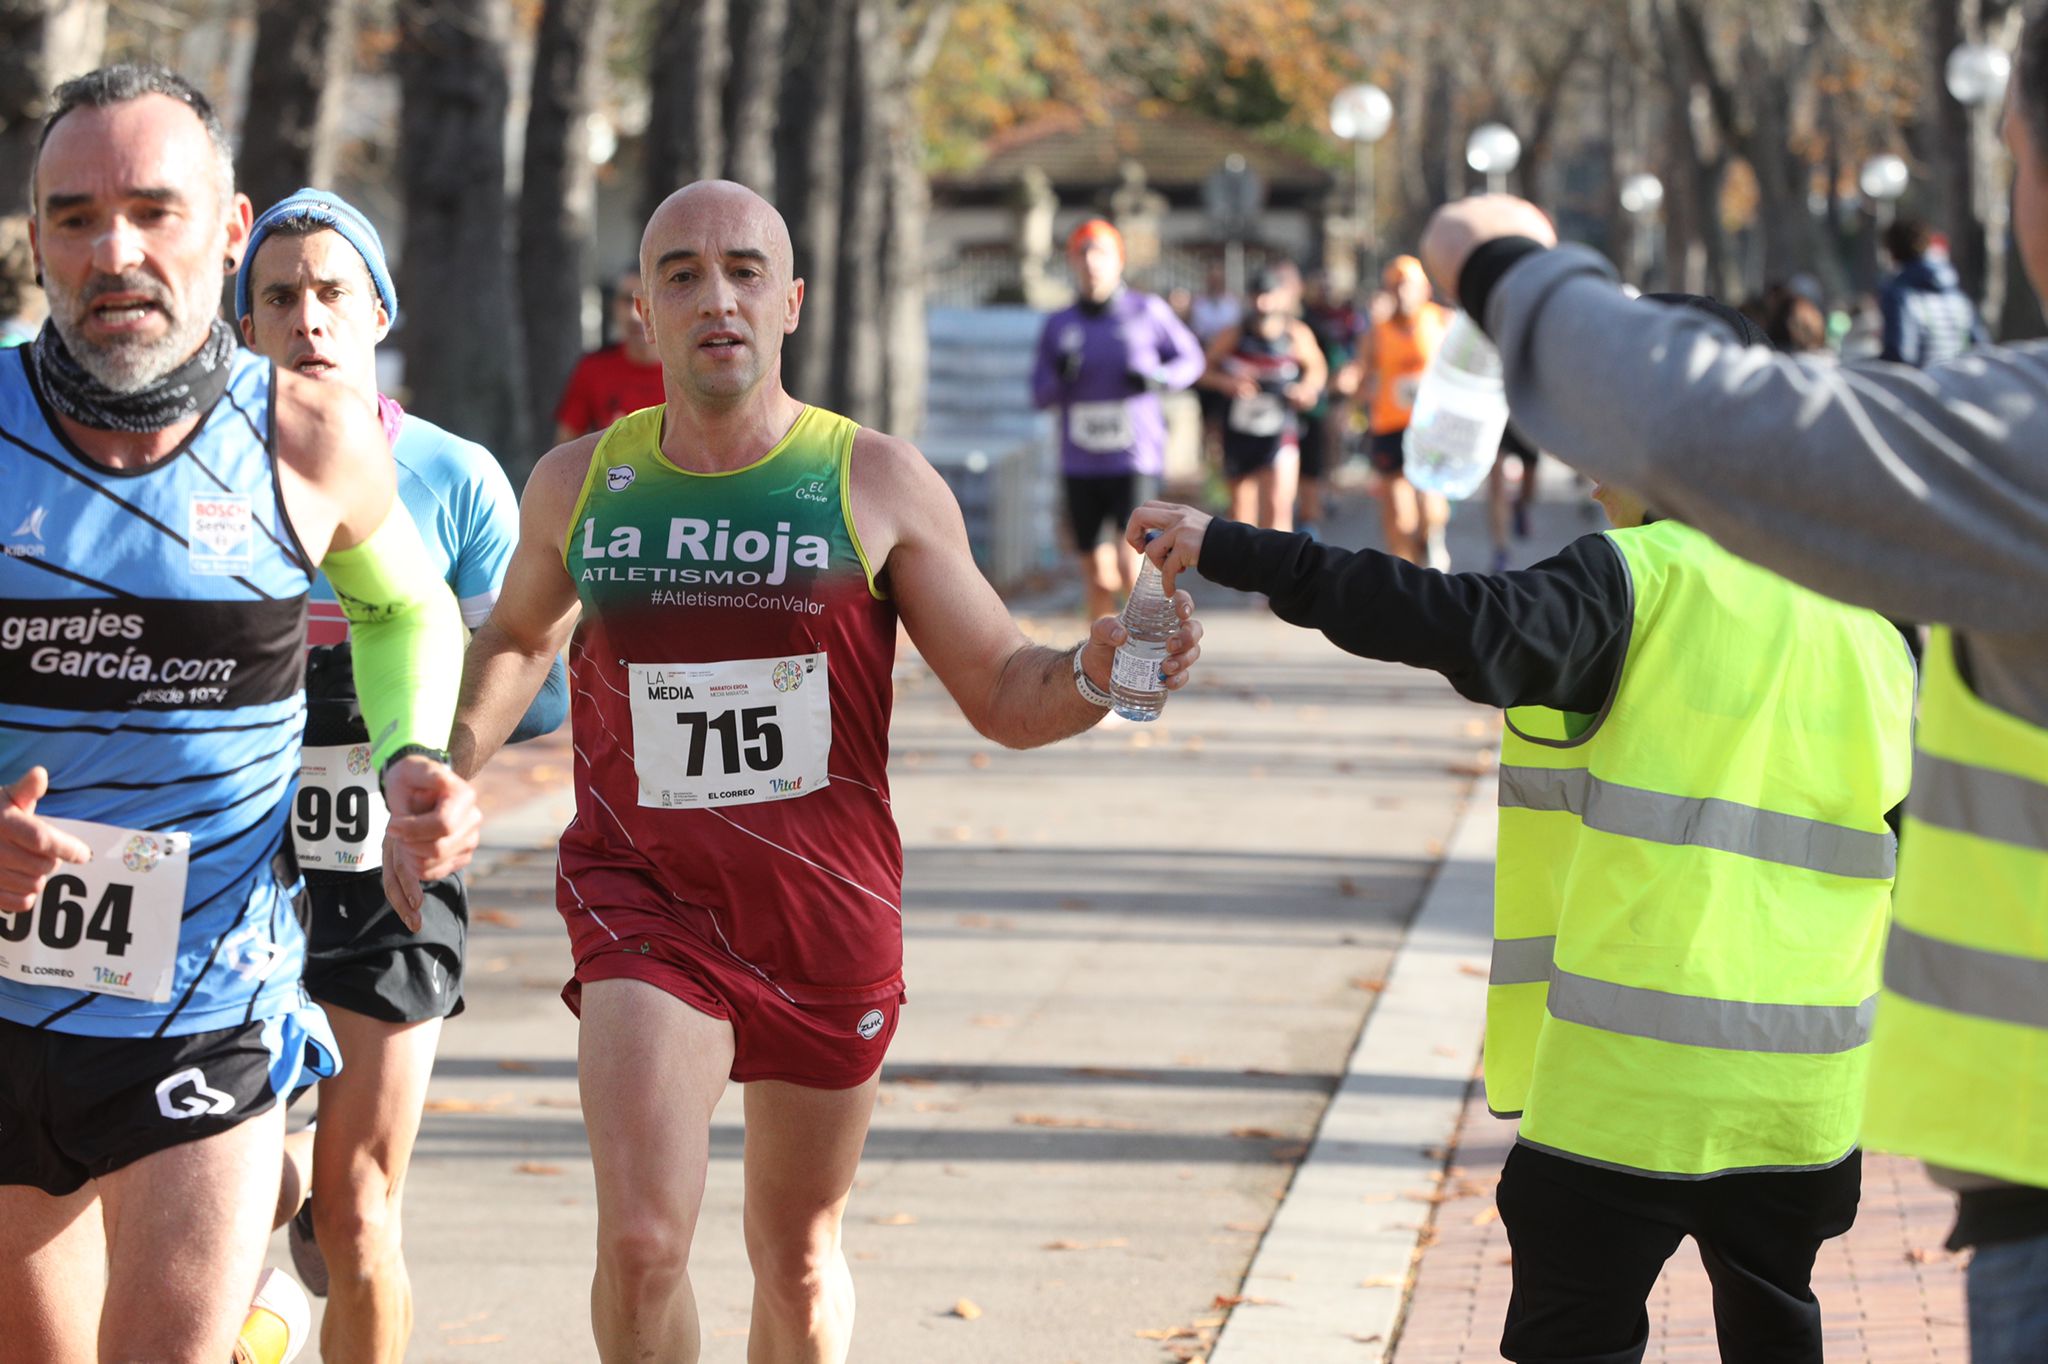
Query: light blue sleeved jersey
x=151 y=628
x=466 y=512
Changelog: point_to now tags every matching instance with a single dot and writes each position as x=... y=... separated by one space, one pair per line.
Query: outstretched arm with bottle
x=1017 y=693
x=1551 y=635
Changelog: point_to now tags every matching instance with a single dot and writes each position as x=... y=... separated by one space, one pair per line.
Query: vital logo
x=101 y=976
x=786 y=786
x=728 y=556
x=870 y=1025
x=619 y=477
x=29 y=536
x=203 y=1101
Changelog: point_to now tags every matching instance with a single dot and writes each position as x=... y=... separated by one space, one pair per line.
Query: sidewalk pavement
x=1150 y=971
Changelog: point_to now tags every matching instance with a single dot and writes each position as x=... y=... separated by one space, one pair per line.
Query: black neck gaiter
x=186 y=391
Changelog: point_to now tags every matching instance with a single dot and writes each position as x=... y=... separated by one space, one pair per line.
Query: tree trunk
x=858 y=332
x=686 y=109
x=558 y=200
x=808 y=134
x=754 y=94
x=42 y=42
x=461 y=335
x=296 y=78
x=907 y=344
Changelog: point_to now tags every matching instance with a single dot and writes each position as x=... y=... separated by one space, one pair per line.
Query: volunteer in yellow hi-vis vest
x=1694 y=878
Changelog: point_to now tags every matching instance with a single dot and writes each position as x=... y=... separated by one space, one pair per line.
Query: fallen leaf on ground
x=1111 y=1244
x=967 y=1309
x=535 y=1167
x=476 y=1340
x=464 y=1105
x=1370 y=983
x=517 y=1066
x=1168 y=1333
x=1485 y=1216
x=1244 y=1226
x=1384 y=1281
x=472 y=1319
x=558 y=1101
x=1243 y=1300
x=1054 y=1120
x=496 y=917
x=1920 y=1255
x=1254 y=1134
x=978 y=760
x=992 y=1020
x=897 y=1219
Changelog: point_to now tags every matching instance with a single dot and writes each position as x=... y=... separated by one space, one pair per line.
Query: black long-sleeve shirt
x=1555 y=634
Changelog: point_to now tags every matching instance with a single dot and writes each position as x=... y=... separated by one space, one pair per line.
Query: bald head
x=718 y=293
x=722 y=212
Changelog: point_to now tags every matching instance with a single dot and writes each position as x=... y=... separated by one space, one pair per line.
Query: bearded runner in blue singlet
x=176 y=496
x=315 y=295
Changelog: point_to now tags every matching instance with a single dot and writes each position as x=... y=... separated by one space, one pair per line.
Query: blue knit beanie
x=327 y=210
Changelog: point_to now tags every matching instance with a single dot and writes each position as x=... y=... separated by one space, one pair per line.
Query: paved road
x=1137 y=964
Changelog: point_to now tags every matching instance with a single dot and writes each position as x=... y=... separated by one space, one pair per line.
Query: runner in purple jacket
x=1103 y=363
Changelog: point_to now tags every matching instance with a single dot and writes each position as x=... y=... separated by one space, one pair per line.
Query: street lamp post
x=1494 y=151
x=1361 y=115
x=1642 y=196
x=1976 y=75
x=1883 y=179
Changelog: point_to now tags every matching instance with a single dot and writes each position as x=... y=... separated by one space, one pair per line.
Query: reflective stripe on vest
x=1632 y=812
x=1725 y=1024
x=1967 y=980
x=1977 y=800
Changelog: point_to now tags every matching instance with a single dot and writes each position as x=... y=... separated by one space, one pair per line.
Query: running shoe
x=305 y=1247
x=279 y=1323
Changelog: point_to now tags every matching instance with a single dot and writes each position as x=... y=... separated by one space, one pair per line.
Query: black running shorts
x=1098 y=502
x=360 y=956
x=76 y=1108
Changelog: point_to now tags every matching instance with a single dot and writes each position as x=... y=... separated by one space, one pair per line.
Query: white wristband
x=1084 y=684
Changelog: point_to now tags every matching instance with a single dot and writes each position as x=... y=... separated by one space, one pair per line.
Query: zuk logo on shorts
x=203 y=1101
x=869 y=1025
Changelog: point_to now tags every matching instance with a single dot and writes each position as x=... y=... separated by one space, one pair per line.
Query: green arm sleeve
x=405 y=633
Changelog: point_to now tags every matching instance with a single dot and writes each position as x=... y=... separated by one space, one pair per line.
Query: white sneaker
x=279 y=1323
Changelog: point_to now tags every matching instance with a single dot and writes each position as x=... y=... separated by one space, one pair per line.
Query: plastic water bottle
x=1460 y=414
x=1137 y=689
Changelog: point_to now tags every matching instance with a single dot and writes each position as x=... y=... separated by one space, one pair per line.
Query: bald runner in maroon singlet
x=732 y=881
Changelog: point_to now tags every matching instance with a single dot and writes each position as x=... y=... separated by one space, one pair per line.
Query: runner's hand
x=1458 y=229
x=31 y=849
x=435 y=828
x=1179 y=544
x=401 y=887
x=1098 y=654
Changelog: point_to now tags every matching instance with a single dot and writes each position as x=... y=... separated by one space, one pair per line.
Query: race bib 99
x=736 y=732
x=338 y=816
x=110 y=925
